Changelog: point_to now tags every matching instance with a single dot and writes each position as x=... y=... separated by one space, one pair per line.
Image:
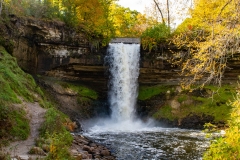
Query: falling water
x=123 y=60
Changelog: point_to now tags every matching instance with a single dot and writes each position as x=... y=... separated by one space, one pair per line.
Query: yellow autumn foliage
x=209 y=37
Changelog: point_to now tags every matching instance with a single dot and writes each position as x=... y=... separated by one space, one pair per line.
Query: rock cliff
x=54 y=49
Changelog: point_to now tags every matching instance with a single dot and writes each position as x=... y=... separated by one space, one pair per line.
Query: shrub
x=154 y=35
x=228 y=147
x=54 y=131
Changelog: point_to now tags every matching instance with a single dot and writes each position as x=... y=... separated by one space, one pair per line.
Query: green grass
x=20 y=123
x=164 y=112
x=182 y=98
x=228 y=147
x=215 y=104
x=80 y=89
x=147 y=92
x=14 y=83
x=55 y=135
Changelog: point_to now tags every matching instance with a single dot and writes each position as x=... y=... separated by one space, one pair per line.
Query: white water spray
x=123 y=62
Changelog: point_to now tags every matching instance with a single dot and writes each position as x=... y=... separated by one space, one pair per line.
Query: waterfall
x=123 y=61
x=123 y=66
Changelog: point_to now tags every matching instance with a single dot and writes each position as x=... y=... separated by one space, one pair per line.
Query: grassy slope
x=14 y=83
x=14 y=125
x=215 y=103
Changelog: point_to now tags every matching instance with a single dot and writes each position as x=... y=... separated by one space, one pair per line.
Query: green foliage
x=14 y=84
x=20 y=124
x=81 y=90
x=54 y=131
x=182 y=98
x=212 y=101
x=13 y=124
x=152 y=36
x=53 y=122
x=5 y=156
x=125 y=21
x=216 y=104
x=90 y=16
x=147 y=92
x=210 y=128
x=165 y=112
x=59 y=146
x=7 y=44
x=228 y=147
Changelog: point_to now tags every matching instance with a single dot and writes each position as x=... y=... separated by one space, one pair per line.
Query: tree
x=128 y=23
x=210 y=37
x=171 y=12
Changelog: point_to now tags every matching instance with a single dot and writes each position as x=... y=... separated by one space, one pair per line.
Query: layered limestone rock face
x=53 y=49
x=155 y=68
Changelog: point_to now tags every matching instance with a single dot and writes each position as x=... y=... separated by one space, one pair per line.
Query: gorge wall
x=53 y=49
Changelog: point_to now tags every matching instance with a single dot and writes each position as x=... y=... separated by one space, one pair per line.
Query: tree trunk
x=159 y=11
x=168 y=13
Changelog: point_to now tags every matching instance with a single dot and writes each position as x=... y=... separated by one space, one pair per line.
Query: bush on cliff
x=153 y=36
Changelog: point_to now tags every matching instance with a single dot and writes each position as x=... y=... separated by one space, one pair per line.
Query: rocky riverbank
x=83 y=148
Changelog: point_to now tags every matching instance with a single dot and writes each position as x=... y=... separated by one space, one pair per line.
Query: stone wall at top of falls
x=53 y=49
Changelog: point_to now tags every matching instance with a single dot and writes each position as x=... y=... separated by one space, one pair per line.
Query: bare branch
x=159 y=11
x=168 y=13
x=224 y=7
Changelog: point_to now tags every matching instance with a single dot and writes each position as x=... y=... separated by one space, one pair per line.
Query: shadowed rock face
x=51 y=48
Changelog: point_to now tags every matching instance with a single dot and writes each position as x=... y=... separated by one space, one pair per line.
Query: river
x=153 y=143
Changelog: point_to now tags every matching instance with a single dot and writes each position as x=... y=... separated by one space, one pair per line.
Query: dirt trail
x=35 y=113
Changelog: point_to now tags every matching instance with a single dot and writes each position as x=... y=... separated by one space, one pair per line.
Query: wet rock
x=85 y=149
x=188 y=102
x=78 y=157
x=23 y=157
x=74 y=152
x=175 y=104
x=196 y=121
x=37 y=150
x=45 y=148
x=105 y=153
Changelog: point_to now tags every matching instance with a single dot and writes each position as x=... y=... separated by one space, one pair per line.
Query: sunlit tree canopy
x=211 y=37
